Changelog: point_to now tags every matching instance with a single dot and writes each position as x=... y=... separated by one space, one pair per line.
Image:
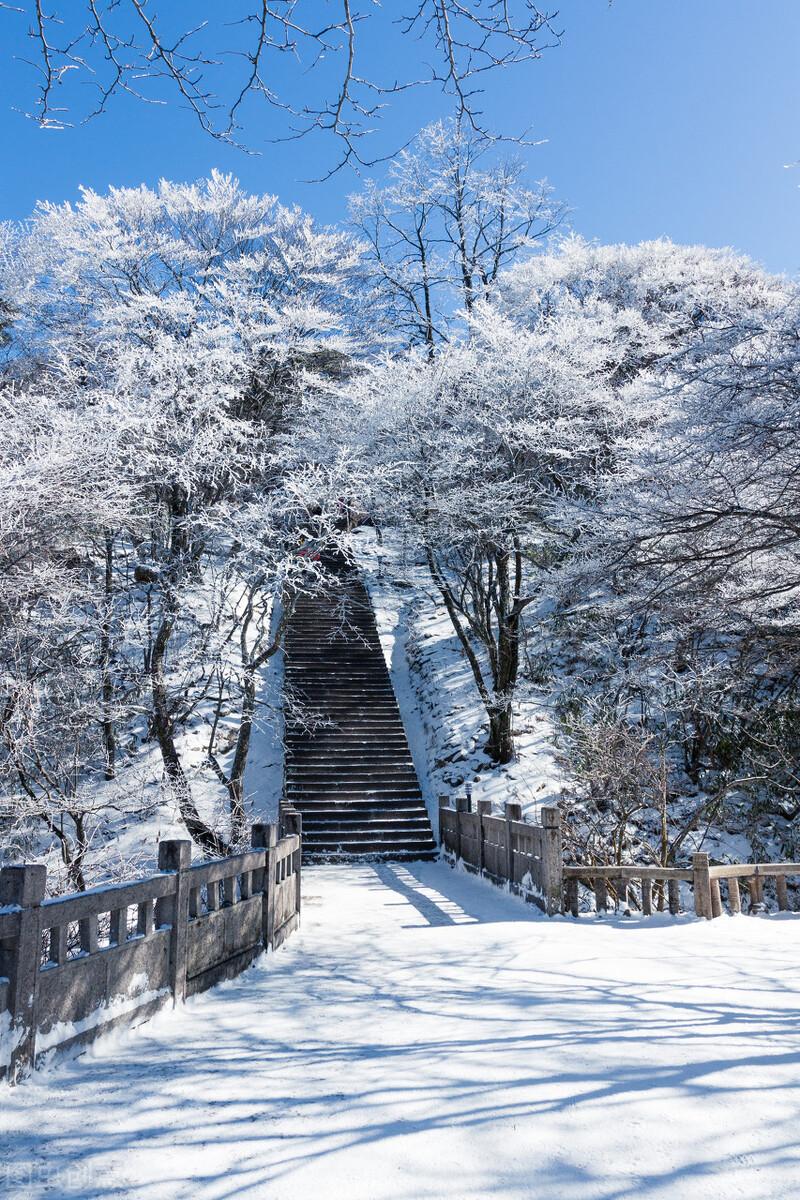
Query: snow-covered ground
x=427 y=1037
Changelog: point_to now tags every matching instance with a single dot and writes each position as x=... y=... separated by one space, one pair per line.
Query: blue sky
x=661 y=117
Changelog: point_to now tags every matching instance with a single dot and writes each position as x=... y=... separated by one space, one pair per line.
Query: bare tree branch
x=128 y=47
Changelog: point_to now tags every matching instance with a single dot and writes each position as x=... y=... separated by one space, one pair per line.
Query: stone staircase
x=349 y=770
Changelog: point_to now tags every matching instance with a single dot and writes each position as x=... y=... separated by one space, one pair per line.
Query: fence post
x=484 y=808
x=22 y=887
x=265 y=837
x=292 y=823
x=174 y=911
x=463 y=804
x=552 y=861
x=513 y=812
x=298 y=828
x=702 y=885
x=734 y=895
x=443 y=804
x=756 y=892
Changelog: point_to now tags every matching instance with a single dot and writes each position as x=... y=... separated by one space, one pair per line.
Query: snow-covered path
x=426 y=1036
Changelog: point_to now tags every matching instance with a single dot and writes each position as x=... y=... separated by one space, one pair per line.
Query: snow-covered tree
x=678 y=599
x=452 y=216
x=172 y=333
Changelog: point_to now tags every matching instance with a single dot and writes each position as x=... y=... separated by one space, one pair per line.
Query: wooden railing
x=660 y=886
x=526 y=857
x=520 y=855
x=754 y=876
x=74 y=967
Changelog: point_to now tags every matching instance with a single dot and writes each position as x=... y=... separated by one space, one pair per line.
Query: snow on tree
x=603 y=466
x=169 y=336
x=453 y=215
x=680 y=592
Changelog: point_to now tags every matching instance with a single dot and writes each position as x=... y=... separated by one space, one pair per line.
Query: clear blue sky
x=671 y=117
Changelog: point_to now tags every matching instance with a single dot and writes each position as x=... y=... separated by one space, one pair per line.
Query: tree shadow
x=489 y=1060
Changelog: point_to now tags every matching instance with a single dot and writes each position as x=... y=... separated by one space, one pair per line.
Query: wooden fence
x=521 y=855
x=659 y=887
x=527 y=858
x=74 y=967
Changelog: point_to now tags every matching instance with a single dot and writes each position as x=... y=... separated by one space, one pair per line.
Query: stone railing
x=521 y=855
x=76 y=966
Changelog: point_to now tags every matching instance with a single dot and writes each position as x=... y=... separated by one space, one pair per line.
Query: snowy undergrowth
x=135 y=812
x=441 y=709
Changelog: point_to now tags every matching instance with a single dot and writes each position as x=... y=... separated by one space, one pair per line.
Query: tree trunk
x=165 y=736
x=500 y=746
x=505 y=658
x=107 y=682
x=244 y=736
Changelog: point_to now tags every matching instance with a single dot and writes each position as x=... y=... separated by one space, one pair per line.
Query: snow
x=119 y=1006
x=439 y=703
x=428 y=1037
x=10 y=1038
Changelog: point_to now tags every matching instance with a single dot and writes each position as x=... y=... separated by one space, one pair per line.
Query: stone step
x=369 y=856
x=378 y=838
x=367 y=811
x=365 y=769
x=327 y=732
x=347 y=754
x=342 y=760
x=367 y=842
x=335 y=795
x=335 y=785
x=354 y=728
x=343 y=702
x=331 y=690
x=328 y=739
x=368 y=774
x=343 y=718
x=346 y=781
x=319 y=830
x=349 y=771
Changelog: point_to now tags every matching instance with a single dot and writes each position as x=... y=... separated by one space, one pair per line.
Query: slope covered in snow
x=425 y=1037
x=442 y=711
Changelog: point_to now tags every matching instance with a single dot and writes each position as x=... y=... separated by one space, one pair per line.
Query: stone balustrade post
x=702 y=885
x=22 y=888
x=265 y=837
x=552 y=861
x=173 y=910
